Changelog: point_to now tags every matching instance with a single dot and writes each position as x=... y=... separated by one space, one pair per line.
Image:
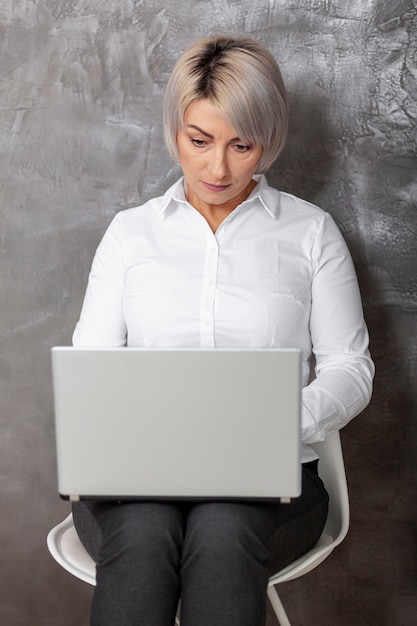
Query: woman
x=222 y=260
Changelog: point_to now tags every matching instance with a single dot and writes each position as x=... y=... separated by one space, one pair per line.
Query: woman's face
x=217 y=164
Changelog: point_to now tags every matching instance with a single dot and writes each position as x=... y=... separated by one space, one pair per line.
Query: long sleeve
x=102 y=321
x=344 y=370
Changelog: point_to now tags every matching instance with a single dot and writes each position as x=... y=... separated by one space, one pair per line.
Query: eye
x=199 y=143
x=240 y=147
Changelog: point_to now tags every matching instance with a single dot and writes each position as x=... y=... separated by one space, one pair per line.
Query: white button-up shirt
x=277 y=273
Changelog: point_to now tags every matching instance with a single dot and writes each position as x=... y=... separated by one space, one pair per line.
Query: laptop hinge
x=74 y=498
x=285 y=500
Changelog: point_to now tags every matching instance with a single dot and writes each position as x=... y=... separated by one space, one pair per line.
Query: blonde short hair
x=242 y=80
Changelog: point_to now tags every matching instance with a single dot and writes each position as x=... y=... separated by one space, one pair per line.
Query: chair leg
x=276 y=604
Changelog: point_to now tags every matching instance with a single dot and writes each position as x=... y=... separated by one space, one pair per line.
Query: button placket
x=208 y=293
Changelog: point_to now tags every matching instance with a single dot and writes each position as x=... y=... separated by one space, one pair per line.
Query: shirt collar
x=268 y=197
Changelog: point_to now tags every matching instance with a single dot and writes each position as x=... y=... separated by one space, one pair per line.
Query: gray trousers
x=215 y=556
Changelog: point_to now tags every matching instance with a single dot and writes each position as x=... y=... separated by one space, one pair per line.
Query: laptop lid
x=133 y=423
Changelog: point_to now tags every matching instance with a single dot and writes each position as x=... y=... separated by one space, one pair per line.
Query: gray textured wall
x=80 y=138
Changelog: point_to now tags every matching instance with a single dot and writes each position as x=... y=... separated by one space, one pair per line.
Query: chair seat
x=67 y=549
x=77 y=554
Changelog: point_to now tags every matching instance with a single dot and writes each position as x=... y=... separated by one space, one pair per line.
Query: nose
x=218 y=164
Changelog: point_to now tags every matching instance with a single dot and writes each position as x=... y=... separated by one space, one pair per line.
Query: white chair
x=67 y=550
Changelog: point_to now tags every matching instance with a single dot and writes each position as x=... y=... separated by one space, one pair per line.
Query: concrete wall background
x=81 y=84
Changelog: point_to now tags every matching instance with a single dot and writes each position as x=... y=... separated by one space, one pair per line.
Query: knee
x=141 y=533
x=139 y=537
x=219 y=533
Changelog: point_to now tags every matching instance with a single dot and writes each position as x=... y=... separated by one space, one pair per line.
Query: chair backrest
x=332 y=472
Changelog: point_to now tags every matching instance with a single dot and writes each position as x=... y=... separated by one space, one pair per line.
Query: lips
x=216 y=188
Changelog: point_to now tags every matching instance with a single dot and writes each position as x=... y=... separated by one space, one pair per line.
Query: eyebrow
x=203 y=132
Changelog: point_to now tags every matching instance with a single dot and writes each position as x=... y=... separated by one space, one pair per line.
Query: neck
x=215 y=214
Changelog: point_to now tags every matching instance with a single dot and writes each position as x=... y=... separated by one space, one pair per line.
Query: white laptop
x=220 y=424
